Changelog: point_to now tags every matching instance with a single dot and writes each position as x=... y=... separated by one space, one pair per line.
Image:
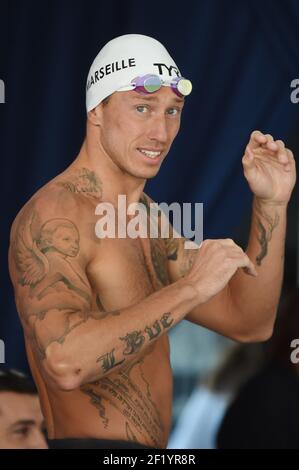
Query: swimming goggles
x=151 y=83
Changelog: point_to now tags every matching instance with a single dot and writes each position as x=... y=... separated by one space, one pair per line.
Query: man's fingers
x=250 y=271
x=248 y=158
x=235 y=252
x=263 y=146
x=244 y=262
x=248 y=266
x=228 y=242
x=257 y=138
x=282 y=153
x=270 y=144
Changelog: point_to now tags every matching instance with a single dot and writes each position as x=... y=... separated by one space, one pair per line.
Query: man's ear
x=95 y=116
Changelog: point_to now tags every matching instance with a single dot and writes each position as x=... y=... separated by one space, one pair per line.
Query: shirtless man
x=96 y=311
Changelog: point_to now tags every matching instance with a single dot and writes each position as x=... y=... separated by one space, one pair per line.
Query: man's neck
x=114 y=181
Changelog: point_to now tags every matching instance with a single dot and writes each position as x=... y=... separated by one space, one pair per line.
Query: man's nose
x=158 y=129
x=37 y=440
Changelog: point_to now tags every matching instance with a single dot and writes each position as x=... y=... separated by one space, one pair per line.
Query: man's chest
x=124 y=271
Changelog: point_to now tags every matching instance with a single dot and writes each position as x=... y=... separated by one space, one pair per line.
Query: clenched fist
x=215 y=263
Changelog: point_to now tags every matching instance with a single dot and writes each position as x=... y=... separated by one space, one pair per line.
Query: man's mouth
x=150 y=153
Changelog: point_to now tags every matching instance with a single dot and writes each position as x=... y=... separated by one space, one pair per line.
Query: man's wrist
x=190 y=293
x=263 y=203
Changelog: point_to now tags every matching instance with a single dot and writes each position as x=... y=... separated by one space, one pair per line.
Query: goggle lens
x=184 y=86
x=152 y=84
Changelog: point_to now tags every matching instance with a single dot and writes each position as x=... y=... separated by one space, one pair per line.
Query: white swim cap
x=121 y=60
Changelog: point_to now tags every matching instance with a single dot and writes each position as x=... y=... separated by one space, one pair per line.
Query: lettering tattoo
x=154 y=331
x=109 y=361
x=133 y=401
x=135 y=340
x=130 y=433
x=97 y=401
x=164 y=320
x=83 y=181
x=266 y=224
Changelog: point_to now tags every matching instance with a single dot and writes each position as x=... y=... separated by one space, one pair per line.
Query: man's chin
x=145 y=174
x=150 y=173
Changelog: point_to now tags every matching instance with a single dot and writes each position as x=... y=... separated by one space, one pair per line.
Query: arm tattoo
x=172 y=247
x=52 y=295
x=159 y=261
x=265 y=231
x=188 y=258
x=134 y=342
x=44 y=258
x=164 y=320
x=157 y=245
x=108 y=361
x=153 y=331
x=136 y=339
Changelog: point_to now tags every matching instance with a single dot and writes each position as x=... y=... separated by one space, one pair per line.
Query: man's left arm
x=248 y=303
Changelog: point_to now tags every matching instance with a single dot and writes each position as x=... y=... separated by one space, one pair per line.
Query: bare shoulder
x=59 y=218
x=71 y=195
x=73 y=188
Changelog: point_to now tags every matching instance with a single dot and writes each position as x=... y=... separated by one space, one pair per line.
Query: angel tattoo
x=44 y=260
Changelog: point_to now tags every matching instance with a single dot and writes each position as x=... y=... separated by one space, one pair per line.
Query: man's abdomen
x=133 y=404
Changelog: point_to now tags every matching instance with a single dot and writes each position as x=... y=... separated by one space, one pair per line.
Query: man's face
x=21 y=422
x=133 y=124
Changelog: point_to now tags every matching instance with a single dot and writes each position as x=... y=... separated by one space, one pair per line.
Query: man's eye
x=22 y=431
x=173 y=111
x=142 y=109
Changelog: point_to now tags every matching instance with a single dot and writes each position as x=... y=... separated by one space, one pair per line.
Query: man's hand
x=216 y=261
x=269 y=168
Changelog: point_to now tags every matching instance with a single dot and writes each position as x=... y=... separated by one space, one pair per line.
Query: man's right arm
x=74 y=344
